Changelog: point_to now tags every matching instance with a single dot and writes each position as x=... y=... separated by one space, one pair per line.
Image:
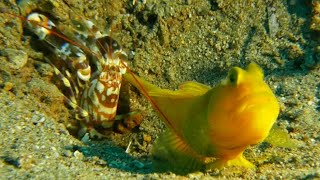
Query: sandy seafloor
x=168 y=42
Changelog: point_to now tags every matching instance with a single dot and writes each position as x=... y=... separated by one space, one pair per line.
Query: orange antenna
x=148 y=96
x=110 y=43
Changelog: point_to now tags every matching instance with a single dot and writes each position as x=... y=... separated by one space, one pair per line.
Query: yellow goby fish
x=211 y=127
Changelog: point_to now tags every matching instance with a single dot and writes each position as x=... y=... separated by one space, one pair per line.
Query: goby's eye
x=233 y=76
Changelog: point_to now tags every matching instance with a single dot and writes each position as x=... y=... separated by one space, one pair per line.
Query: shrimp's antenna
x=144 y=91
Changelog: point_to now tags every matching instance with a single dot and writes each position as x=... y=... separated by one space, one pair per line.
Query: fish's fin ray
x=255 y=69
x=194 y=87
x=171 y=153
x=187 y=89
x=165 y=101
x=238 y=161
x=278 y=137
x=132 y=79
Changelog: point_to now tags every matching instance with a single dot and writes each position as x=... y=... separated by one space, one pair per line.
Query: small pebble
x=147 y=138
x=27 y=162
x=67 y=153
x=78 y=155
x=37 y=119
x=138 y=164
x=85 y=138
x=17 y=58
x=8 y=86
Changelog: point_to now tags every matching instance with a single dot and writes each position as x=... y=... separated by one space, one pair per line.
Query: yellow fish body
x=211 y=127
